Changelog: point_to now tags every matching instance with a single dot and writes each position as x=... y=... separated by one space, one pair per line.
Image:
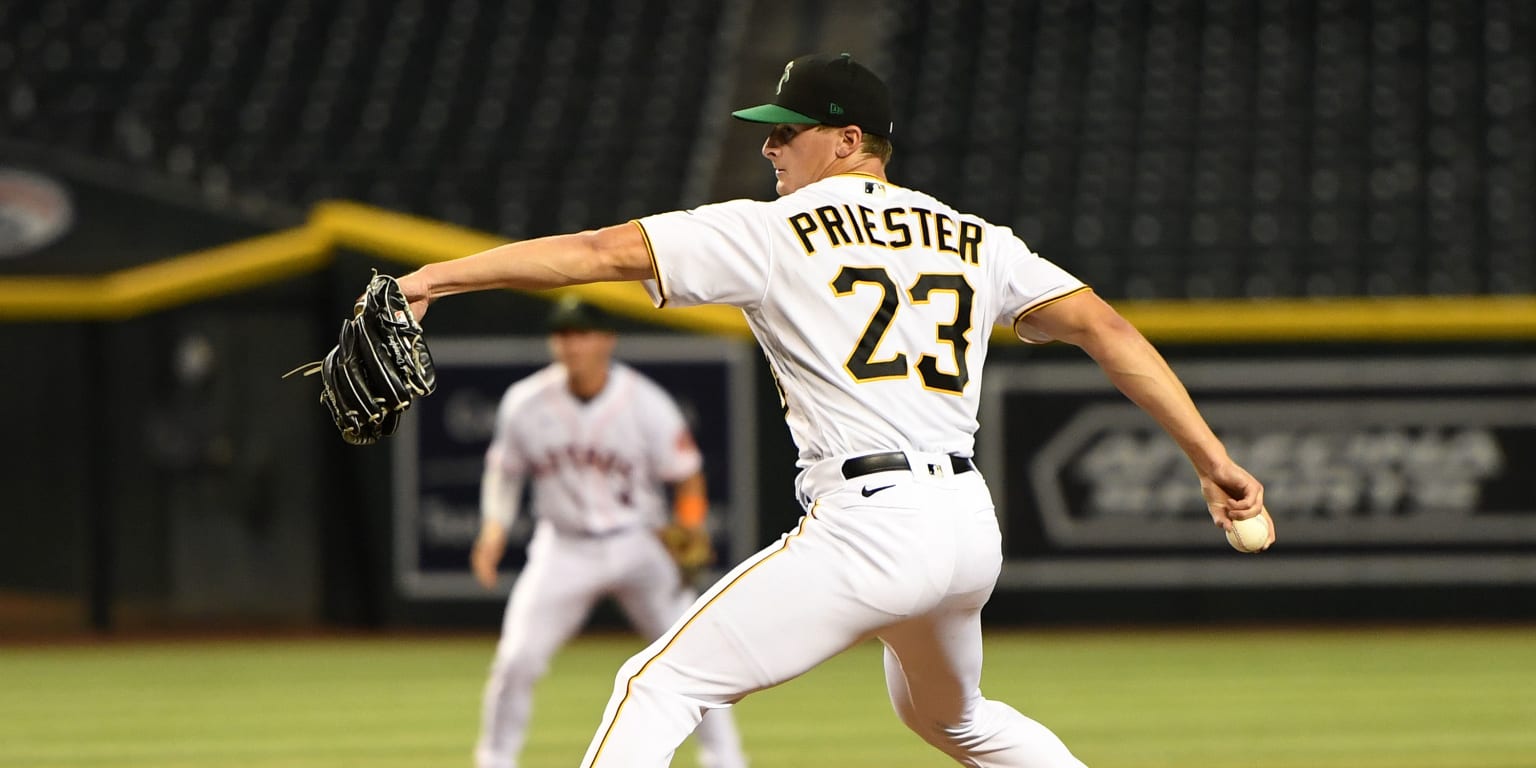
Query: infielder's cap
x=570 y=313
x=823 y=89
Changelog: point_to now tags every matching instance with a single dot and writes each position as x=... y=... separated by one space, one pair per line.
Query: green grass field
x=1376 y=698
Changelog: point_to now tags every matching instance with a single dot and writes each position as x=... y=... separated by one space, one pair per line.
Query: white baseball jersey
x=872 y=304
x=599 y=469
x=597 y=466
x=917 y=286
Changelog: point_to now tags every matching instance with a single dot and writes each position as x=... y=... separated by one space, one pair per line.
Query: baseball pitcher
x=598 y=441
x=872 y=303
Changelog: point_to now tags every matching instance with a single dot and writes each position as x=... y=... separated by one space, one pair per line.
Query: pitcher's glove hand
x=690 y=547
x=377 y=368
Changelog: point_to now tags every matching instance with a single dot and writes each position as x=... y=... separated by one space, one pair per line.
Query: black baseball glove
x=378 y=368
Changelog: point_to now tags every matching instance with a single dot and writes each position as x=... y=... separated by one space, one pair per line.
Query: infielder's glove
x=379 y=366
x=690 y=547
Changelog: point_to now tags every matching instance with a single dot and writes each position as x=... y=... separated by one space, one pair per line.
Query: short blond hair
x=877 y=146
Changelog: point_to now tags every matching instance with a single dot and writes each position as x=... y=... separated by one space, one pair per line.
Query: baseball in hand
x=1250 y=535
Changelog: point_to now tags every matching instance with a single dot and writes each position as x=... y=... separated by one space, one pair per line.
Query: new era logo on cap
x=823 y=89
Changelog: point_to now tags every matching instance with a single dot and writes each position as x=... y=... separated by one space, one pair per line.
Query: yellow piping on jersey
x=1027 y=310
x=629 y=686
x=661 y=287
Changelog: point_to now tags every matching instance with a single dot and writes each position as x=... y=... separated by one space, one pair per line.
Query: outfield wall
x=1394 y=435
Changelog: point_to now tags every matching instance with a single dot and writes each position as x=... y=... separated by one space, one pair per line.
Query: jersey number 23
x=861 y=363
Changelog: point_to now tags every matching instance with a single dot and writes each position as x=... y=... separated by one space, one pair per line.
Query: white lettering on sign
x=1321 y=472
x=1336 y=472
x=469 y=415
x=445 y=524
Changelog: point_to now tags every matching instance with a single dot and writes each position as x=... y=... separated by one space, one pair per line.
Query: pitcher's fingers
x=1220 y=517
x=1248 y=500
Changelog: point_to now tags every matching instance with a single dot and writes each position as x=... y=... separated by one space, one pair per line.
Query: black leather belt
x=859 y=466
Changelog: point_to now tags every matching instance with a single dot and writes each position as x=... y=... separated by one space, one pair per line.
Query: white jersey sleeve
x=1028 y=283
x=729 y=261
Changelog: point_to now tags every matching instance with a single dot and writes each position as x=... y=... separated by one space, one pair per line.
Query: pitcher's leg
x=933 y=675
x=653 y=596
x=779 y=613
x=547 y=606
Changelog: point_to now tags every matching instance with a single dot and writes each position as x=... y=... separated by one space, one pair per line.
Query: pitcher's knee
x=911 y=719
x=963 y=736
x=630 y=670
x=655 y=679
x=994 y=734
x=930 y=729
x=661 y=683
x=956 y=738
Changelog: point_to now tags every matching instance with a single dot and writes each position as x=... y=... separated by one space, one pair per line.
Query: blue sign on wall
x=438 y=455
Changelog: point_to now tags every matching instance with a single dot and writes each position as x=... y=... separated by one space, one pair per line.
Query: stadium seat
x=1168 y=148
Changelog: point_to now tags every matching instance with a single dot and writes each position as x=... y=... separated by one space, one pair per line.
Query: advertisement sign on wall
x=1377 y=471
x=438 y=455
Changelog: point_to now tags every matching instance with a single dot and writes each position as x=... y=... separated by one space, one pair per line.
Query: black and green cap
x=570 y=313
x=825 y=89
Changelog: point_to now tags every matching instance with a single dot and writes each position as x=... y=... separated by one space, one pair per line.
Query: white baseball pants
x=909 y=556
x=564 y=578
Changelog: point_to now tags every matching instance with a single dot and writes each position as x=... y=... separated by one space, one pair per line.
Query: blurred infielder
x=598 y=440
x=872 y=303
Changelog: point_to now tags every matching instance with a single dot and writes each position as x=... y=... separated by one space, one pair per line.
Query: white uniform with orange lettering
x=598 y=469
x=872 y=304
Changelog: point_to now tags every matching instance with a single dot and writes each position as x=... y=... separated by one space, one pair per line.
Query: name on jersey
x=580 y=456
x=837 y=226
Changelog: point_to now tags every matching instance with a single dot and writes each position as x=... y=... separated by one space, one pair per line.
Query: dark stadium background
x=1374 y=155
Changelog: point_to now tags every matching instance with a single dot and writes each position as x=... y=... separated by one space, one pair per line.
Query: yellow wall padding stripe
x=167 y=283
x=399 y=237
x=414 y=241
x=1398 y=319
